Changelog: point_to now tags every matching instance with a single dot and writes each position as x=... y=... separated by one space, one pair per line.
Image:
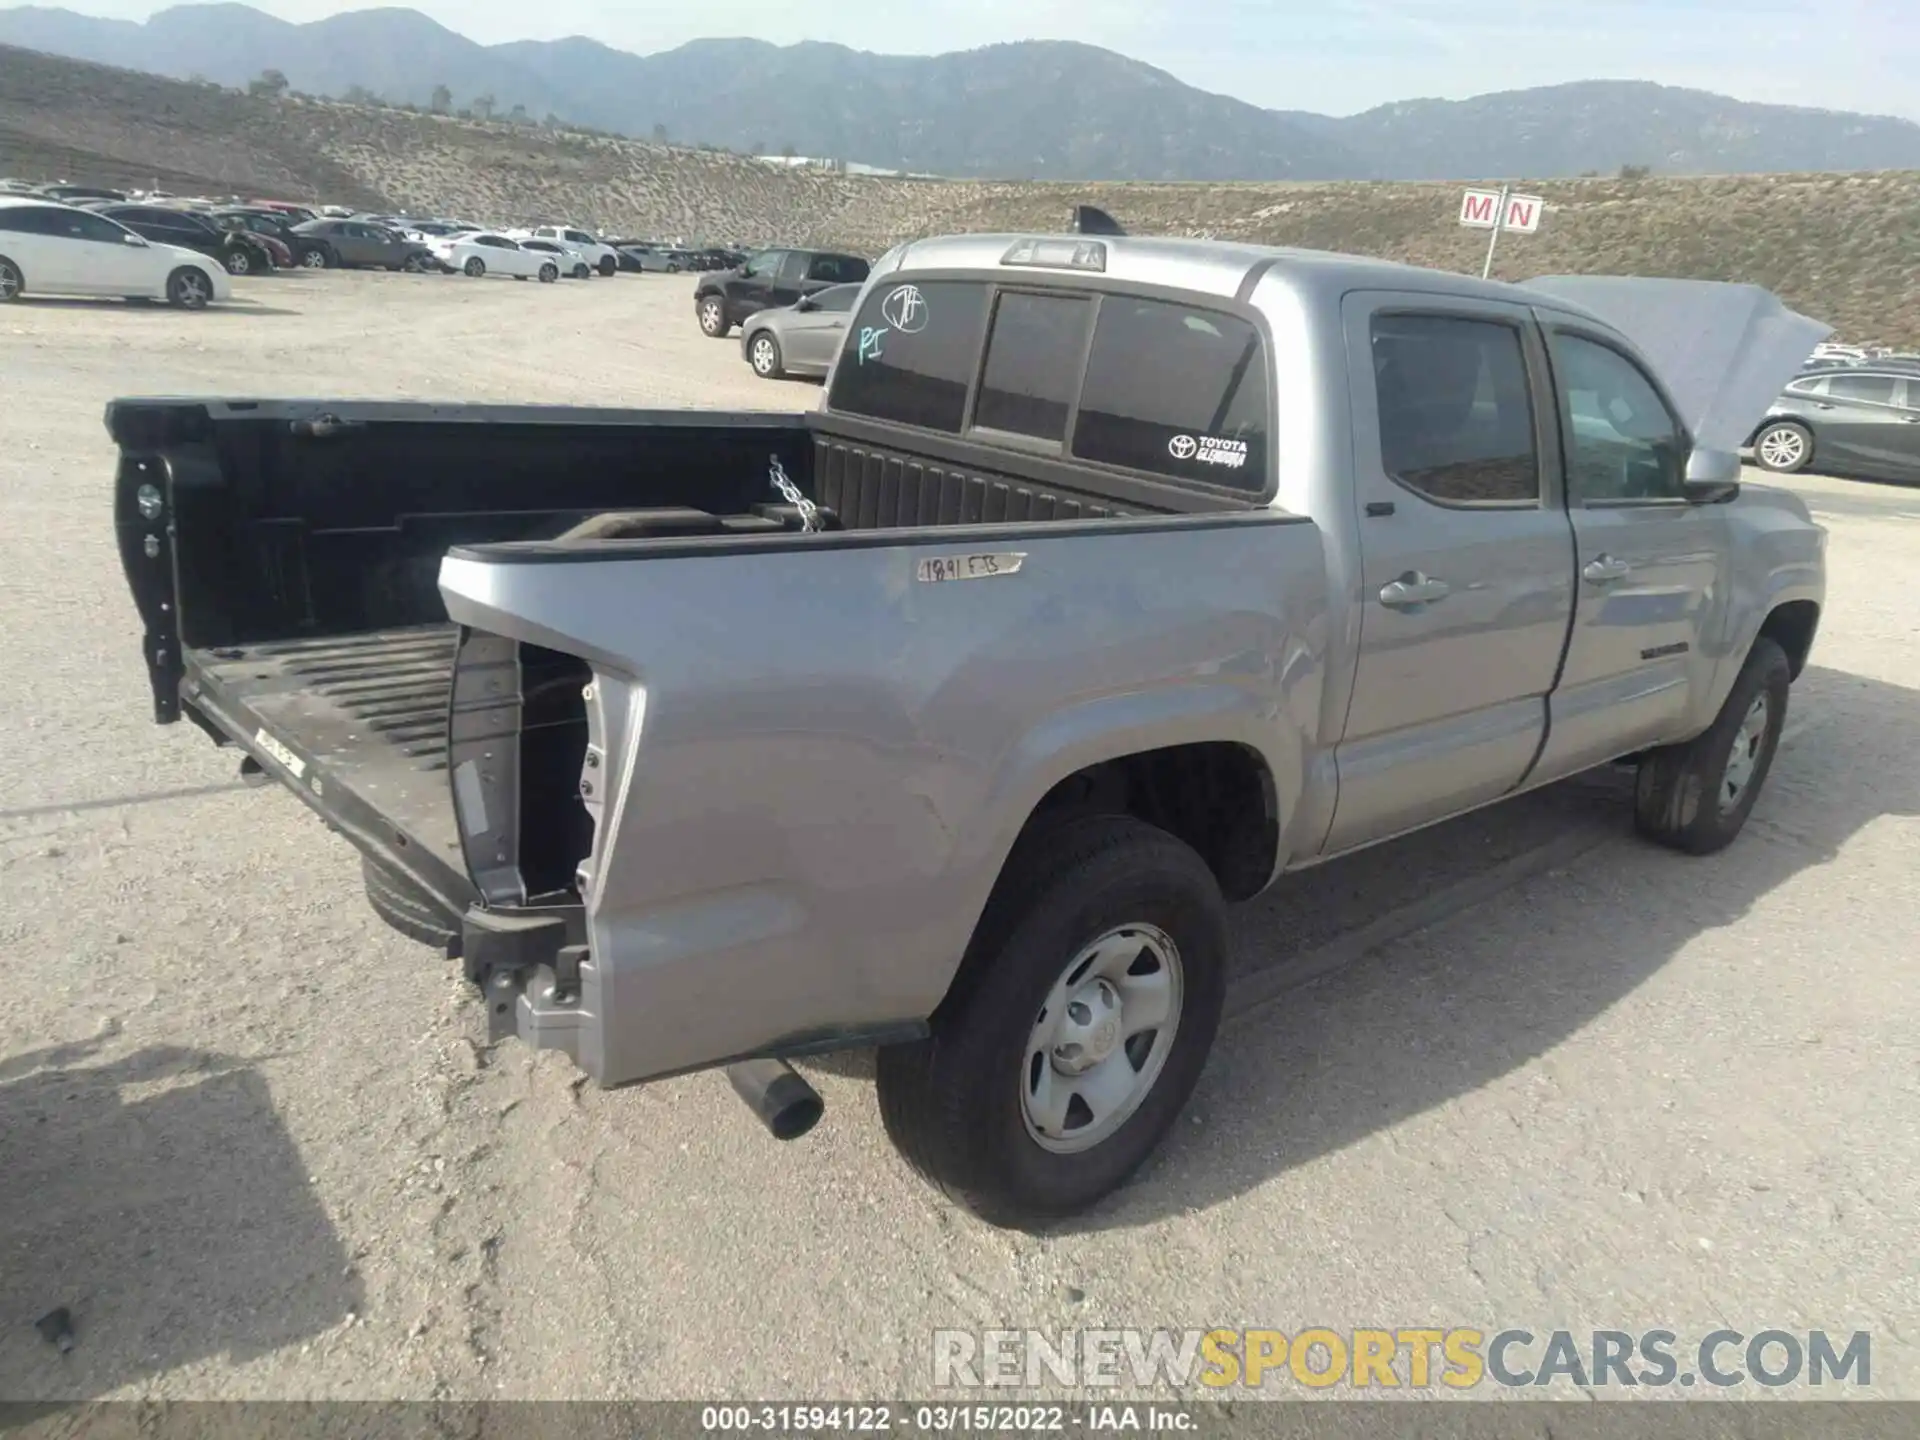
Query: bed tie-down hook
x=790 y=492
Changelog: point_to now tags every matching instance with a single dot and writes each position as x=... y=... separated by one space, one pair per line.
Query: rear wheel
x=581 y=271
x=549 y=274
x=713 y=317
x=238 y=262
x=476 y=267
x=1783 y=447
x=189 y=289
x=315 y=259
x=1077 y=1028
x=608 y=266
x=12 y=284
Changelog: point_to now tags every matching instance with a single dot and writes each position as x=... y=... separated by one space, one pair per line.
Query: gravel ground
x=1522 y=1070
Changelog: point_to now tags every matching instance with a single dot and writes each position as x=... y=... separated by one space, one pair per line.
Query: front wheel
x=549 y=274
x=313 y=259
x=238 y=262
x=476 y=267
x=12 y=286
x=1696 y=797
x=1076 y=1030
x=608 y=266
x=189 y=289
x=713 y=318
x=1783 y=447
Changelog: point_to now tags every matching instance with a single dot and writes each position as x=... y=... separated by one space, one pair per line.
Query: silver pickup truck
x=1111 y=580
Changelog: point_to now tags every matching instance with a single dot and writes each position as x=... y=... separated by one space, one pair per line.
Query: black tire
x=12 y=283
x=404 y=906
x=1784 y=447
x=1682 y=798
x=952 y=1103
x=711 y=312
x=549 y=274
x=672 y=268
x=763 y=353
x=609 y=267
x=582 y=271
x=475 y=266
x=189 y=289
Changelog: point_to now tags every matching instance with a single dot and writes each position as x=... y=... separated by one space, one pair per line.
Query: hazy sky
x=1334 y=56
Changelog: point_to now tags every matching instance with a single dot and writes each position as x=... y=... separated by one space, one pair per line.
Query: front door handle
x=1413 y=589
x=1604 y=569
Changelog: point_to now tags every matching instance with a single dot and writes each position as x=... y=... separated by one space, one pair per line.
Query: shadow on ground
x=235 y=307
x=1332 y=1042
x=158 y=1198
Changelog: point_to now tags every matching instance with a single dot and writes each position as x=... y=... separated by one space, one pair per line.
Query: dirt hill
x=1836 y=246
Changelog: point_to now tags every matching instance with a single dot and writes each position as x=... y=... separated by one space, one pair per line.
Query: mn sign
x=1479 y=207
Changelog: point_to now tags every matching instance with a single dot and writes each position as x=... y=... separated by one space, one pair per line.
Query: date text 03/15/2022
x=947 y=1419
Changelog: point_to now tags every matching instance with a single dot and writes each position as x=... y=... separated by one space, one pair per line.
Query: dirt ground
x=1520 y=1071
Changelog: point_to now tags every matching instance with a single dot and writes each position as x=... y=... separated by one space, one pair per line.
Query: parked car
x=278 y=246
x=1862 y=421
x=486 y=253
x=71 y=194
x=657 y=259
x=572 y=263
x=351 y=243
x=598 y=253
x=305 y=251
x=296 y=214
x=773 y=277
x=801 y=338
x=47 y=248
x=239 y=252
x=1263 y=556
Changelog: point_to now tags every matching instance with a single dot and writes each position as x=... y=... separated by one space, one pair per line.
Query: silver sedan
x=802 y=338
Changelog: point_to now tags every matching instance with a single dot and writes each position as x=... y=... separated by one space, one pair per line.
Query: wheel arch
x=1791 y=625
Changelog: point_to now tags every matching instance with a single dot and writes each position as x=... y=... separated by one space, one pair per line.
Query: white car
x=483 y=252
x=51 y=249
x=597 y=253
x=571 y=262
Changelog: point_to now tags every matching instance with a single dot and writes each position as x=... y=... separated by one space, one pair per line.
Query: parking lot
x=1519 y=1071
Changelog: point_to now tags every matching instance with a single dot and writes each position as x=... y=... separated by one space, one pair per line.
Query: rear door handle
x=1604 y=569
x=1413 y=589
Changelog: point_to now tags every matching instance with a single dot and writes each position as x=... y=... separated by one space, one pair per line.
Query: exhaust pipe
x=783 y=1102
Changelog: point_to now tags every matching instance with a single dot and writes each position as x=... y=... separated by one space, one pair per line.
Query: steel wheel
x=1748 y=741
x=1101 y=1039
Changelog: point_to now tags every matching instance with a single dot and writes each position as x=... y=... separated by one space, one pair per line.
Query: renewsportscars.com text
x=1410 y=1358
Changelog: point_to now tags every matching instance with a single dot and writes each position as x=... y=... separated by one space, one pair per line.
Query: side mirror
x=1713 y=476
x=805 y=303
x=132 y=239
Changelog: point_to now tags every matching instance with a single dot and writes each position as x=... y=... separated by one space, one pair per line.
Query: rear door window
x=1176 y=391
x=1456 y=412
x=837 y=269
x=1034 y=355
x=1873 y=389
x=911 y=353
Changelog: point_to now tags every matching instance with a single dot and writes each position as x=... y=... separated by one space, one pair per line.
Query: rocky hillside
x=1836 y=246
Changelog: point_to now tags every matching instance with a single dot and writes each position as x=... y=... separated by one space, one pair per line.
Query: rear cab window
x=1165 y=389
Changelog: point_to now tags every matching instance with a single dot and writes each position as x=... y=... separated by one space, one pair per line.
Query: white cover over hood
x=1723 y=351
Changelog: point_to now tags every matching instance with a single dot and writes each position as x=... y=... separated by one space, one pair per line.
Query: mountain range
x=1024 y=110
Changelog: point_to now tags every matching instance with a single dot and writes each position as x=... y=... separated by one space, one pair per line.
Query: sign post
x=1498 y=210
